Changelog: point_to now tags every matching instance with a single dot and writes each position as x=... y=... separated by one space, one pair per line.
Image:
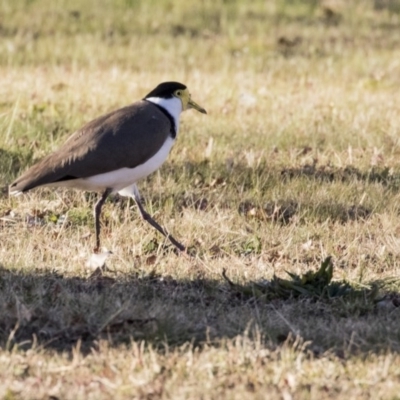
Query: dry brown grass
x=298 y=159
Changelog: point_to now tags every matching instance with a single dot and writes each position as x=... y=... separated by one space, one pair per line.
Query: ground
x=295 y=166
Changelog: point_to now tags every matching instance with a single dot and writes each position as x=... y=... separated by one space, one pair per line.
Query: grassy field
x=298 y=159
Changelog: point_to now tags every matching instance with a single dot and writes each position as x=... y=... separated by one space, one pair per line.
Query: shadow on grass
x=214 y=175
x=205 y=181
x=382 y=175
x=57 y=312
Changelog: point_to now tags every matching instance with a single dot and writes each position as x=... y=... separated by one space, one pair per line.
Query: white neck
x=172 y=105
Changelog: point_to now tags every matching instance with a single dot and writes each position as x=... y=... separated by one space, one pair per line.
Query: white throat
x=172 y=105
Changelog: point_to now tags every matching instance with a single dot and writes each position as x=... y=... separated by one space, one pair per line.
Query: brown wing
x=123 y=138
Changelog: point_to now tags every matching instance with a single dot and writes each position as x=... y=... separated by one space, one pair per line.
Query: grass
x=297 y=160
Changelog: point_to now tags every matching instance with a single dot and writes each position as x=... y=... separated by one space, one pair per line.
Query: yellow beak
x=193 y=104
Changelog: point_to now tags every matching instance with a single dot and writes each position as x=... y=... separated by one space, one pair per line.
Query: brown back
x=123 y=138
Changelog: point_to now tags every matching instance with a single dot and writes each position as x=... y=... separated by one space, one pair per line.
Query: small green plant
x=312 y=284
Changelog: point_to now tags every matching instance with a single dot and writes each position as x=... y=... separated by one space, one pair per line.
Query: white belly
x=121 y=178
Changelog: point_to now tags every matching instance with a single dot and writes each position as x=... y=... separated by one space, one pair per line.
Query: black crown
x=165 y=90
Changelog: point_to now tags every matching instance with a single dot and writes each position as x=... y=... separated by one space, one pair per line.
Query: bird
x=111 y=153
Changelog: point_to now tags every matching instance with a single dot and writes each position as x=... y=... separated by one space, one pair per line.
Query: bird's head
x=174 y=90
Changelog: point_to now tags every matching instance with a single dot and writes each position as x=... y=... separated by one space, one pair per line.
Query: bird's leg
x=97 y=211
x=147 y=217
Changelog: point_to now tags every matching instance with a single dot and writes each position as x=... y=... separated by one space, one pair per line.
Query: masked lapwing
x=111 y=153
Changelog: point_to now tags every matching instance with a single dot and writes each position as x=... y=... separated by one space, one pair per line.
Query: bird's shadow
x=48 y=310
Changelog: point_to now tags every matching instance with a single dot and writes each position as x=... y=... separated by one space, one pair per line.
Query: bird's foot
x=98 y=258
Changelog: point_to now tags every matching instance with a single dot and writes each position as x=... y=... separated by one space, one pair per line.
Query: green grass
x=297 y=160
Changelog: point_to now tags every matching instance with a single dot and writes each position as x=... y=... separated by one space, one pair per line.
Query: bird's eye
x=178 y=93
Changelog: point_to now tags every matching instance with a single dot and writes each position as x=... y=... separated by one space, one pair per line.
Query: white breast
x=173 y=106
